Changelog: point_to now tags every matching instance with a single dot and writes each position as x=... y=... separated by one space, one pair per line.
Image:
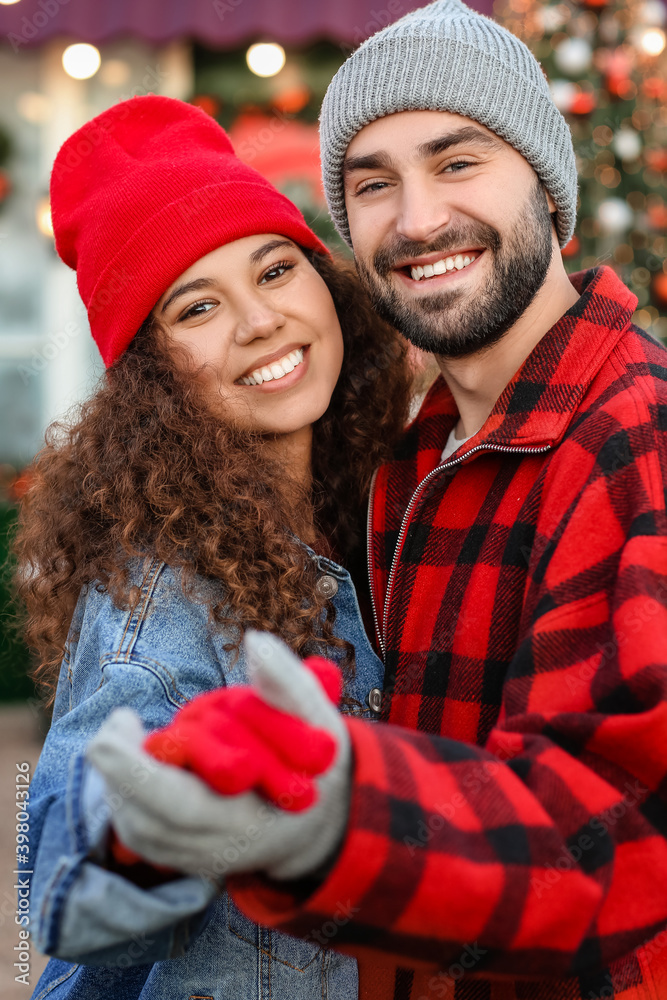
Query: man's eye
x=372 y=186
x=457 y=166
x=197 y=309
x=276 y=271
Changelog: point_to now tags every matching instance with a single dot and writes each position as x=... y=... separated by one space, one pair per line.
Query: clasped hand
x=172 y=818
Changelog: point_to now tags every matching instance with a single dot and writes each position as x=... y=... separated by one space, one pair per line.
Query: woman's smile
x=280 y=370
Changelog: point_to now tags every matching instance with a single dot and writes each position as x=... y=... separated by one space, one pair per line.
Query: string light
x=265 y=58
x=653 y=41
x=43 y=217
x=81 y=61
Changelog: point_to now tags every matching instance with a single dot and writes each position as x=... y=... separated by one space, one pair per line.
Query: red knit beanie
x=143 y=191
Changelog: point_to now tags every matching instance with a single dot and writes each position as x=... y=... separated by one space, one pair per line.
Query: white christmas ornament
x=573 y=56
x=627 y=144
x=615 y=216
x=653 y=13
x=563 y=93
x=552 y=18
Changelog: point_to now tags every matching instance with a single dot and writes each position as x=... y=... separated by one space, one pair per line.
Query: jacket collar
x=539 y=402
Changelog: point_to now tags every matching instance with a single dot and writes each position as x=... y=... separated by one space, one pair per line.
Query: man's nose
x=423 y=213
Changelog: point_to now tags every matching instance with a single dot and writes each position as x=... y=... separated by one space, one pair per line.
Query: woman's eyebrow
x=190 y=286
x=260 y=253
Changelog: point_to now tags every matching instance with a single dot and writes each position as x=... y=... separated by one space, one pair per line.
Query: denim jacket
x=182 y=939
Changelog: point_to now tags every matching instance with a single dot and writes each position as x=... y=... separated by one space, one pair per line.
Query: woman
x=213 y=483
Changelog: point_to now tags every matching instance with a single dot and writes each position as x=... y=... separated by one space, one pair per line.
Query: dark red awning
x=215 y=23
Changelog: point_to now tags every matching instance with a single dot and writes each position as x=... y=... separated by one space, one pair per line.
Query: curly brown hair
x=147 y=470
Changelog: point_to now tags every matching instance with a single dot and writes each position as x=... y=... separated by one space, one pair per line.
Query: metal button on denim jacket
x=183 y=939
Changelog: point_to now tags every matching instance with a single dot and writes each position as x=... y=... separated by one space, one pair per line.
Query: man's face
x=451 y=228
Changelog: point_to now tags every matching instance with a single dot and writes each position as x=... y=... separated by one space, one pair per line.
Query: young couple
x=493 y=822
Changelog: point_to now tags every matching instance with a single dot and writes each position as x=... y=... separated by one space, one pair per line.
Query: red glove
x=236 y=743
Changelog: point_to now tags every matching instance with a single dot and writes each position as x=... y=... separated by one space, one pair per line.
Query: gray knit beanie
x=447 y=57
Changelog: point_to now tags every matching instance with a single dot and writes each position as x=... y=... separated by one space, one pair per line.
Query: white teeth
x=448 y=264
x=276 y=370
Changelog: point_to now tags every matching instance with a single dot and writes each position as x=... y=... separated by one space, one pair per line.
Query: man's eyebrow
x=372 y=161
x=190 y=286
x=382 y=160
x=468 y=134
x=260 y=253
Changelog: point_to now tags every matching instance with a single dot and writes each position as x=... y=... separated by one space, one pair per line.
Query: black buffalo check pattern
x=507 y=837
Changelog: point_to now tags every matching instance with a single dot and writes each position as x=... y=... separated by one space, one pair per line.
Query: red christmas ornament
x=656 y=159
x=583 y=103
x=5 y=185
x=621 y=86
x=654 y=88
x=211 y=105
x=659 y=288
x=572 y=248
x=657 y=216
x=292 y=100
x=19 y=485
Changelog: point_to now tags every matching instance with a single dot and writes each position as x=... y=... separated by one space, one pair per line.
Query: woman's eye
x=196 y=309
x=276 y=271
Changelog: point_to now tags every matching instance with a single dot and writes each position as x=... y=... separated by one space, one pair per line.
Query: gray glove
x=170 y=817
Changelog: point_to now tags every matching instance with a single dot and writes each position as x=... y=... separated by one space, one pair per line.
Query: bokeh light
x=81 y=61
x=43 y=217
x=265 y=58
x=653 y=41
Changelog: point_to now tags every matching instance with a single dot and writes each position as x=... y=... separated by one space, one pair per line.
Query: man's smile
x=432 y=267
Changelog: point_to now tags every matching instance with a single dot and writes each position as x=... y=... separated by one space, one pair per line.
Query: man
x=503 y=827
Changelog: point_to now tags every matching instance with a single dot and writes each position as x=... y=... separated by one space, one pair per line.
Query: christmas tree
x=607 y=67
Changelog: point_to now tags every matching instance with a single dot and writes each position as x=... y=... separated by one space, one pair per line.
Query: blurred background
x=261 y=67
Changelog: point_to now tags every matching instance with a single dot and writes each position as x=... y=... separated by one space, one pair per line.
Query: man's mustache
x=385 y=259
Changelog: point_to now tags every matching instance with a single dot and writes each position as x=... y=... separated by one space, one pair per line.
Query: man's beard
x=437 y=323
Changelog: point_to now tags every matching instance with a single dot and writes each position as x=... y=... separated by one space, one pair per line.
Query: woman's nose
x=258 y=321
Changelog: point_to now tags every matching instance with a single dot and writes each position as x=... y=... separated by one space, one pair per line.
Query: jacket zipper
x=369 y=549
x=382 y=633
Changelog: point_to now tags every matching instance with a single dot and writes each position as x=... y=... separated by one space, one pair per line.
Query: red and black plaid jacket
x=508 y=828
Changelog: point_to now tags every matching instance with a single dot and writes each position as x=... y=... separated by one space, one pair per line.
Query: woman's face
x=262 y=320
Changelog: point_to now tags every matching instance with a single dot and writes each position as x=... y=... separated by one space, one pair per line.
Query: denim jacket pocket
x=295 y=953
x=173 y=693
